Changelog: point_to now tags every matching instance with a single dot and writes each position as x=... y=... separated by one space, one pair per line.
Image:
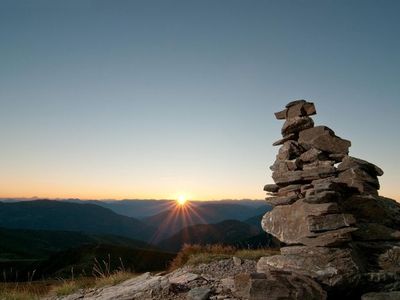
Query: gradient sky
x=152 y=99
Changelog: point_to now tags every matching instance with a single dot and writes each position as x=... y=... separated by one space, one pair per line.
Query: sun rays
x=180 y=214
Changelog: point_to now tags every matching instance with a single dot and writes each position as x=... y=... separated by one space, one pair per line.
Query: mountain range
x=64 y=234
x=58 y=215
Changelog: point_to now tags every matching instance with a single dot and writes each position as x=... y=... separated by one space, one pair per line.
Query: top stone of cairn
x=297 y=108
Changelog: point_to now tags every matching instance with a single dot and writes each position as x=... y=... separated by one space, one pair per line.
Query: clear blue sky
x=152 y=99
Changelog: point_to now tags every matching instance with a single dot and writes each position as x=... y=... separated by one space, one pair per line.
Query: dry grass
x=68 y=287
x=256 y=254
x=17 y=295
x=23 y=291
x=71 y=286
x=102 y=276
x=114 y=279
x=197 y=254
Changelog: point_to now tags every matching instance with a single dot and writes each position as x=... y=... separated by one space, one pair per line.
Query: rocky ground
x=205 y=281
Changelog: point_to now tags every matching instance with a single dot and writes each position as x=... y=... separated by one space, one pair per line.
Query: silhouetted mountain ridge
x=57 y=215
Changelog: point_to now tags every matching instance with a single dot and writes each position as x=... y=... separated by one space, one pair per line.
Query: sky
x=155 y=99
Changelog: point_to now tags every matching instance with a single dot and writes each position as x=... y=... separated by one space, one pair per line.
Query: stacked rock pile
x=327 y=211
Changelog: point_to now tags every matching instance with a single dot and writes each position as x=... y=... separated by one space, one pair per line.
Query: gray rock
x=182 y=277
x=282 y=200
x=281 y=115
x=300 y=101
x=337 y=157
x=329 y=222
x=300 y=110
x=395 y=295
x=199 y=293
x=320 y=164
x=287 y=178
x=141 y=287
x=332 y=238
x=237 y=261
x=306 y=187
x=359 y=180
x=290 y=188
x=373 y=209
x=272 y=188
x=314 y=173
x=289 y=150
x=228 y=283
x=289 y=223
x=296 y=124
x=312 y=155
x=314 y=196
x=289 y=137
x=277 y=285
x=284 y=165
x=349 y=162
x=324 y=139
x=375 y=232
x=333 y=267
x=328 y=184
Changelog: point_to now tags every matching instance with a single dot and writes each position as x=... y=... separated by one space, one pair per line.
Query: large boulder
x=277 y=285
x=296 y=124
x=373 y=209
x=289 y=150
x=360 y=180
x=324 y=139
x=300 y=108
x=292 y=223
x=349 y=162
x=395 y=295
x=333 y=267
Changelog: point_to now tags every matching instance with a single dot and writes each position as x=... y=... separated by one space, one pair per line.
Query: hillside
x=56 y=215
x=134 y=208
x=42 y=243
x=83 y=259
x=53 y=253
x=176 y=218
x=229 y=232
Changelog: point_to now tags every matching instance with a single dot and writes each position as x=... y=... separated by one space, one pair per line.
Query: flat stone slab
x=395 y=295
x=199 y=293
x=332 y=267
x=324 y=139
x=289 y=223
x=349 y=162
x=277 y=285
x=296 y=124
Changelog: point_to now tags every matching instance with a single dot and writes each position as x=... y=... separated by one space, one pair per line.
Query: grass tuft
x=69 y=287
x=19 y=292
x=197 y=254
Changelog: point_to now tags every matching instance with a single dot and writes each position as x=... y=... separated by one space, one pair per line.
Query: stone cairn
x=327 y=212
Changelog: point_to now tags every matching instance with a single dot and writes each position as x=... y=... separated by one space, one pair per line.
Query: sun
x=181 y=200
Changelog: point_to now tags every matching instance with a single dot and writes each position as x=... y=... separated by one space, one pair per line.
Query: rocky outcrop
x=277 y=284
x=327 y=211
x=210 y=281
